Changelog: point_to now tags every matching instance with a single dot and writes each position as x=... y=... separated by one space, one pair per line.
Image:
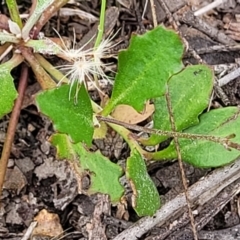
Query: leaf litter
x=39 y=179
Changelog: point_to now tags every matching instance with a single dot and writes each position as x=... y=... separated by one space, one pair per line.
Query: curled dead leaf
x=128 y=114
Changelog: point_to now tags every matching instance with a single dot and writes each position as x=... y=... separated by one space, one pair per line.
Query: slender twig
x=144 y=9
x=172 y=20
x=12 y=125
x=229 y=77
x=183 y=175
x=198 y=23
x=214 y=49
x=29 y=231
x=209 y=7
x=154 y=15
x=200 y=193
x=223 y=141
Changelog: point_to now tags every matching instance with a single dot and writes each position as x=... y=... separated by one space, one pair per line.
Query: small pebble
x=30 y=127
x=10 y=163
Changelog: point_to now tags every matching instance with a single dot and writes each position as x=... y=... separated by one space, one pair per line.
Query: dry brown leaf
x=128 y=114
x=15 y=180
x=48 y=225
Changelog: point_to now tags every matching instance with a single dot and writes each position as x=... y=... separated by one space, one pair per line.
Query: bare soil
x=38 y=185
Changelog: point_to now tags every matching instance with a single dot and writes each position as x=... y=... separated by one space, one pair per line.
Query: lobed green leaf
x=73 y=117
x=104 y=174
x=189 y=93
x=221 y=122
x=145 y=67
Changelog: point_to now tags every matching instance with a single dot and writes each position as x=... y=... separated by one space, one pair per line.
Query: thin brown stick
x=183 y=175
x=215 y=49
x=187 y=16
x=200 y=193
x=154 y=15
x=223 y=141
x=169 y=15
x=12 y=125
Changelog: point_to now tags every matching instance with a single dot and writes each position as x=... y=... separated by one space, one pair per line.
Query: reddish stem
x=4 y=22
x=42 y=76
x=47 y=14
x=12 y=125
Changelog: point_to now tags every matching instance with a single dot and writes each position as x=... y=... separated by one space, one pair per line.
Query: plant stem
x=122 y=131
x=13 y=11
x=51 y=69
x=43 y=78
x=129 y=138
x=12 y=125
x=47 y=14
x=13 y=62
x=107 y=109
x=40 y=8
x=98 y=41
x=101 y=24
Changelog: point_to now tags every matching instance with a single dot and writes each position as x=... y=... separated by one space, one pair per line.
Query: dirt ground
x=38 y=185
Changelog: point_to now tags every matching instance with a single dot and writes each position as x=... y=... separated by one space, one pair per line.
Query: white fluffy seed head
x=84 y=65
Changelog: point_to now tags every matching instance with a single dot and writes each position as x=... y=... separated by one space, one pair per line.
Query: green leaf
x=145 y=67
x=64 y=146
x=44 y=46
x=8 y=92
x=146 y=200
x=68 y=116
x=104 y=174
x=202 y=153
x=8 y=37
x=39 y=9
x=14 y=13
x=189 y=93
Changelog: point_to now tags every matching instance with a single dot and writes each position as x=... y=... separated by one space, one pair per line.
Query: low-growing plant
x=150 y=69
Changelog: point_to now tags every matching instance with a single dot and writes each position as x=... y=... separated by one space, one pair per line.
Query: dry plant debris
x=36 y=183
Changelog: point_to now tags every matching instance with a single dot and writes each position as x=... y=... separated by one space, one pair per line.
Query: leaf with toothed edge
x=145 y=67
x=222 y=123
x=189 y=93
x=104 y=174
x=68 y=115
